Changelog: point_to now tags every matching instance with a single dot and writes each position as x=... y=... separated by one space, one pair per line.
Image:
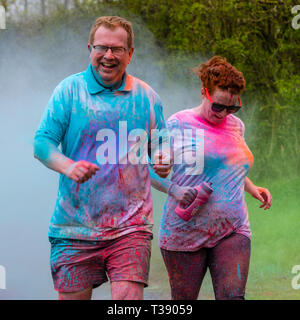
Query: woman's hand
x=185 y=195
x=264 y=196
x=259 y=193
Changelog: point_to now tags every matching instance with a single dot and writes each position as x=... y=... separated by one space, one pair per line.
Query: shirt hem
x=100 y=237
x=246 y=234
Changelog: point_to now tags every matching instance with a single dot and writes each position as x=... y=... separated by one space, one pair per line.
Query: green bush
x=256 y=36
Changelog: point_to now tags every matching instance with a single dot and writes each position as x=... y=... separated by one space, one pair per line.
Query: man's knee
x=127 y=290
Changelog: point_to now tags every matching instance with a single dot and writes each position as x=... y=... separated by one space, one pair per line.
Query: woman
x=218 y=235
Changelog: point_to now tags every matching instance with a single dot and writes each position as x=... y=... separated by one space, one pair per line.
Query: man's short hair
x=112 y=22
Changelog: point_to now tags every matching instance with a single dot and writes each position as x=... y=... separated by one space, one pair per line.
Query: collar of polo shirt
x=95 y=87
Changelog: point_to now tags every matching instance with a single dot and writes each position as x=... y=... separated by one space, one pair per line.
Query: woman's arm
x=185 y=195
x=259 y=193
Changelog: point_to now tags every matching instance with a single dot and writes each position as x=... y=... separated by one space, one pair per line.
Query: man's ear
x=130 y=51
x=90 y=48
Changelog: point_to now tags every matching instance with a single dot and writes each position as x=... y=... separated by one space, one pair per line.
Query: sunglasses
x=217 y=107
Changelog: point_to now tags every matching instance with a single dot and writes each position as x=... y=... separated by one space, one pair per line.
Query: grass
x=274 y=248
x=275 y=243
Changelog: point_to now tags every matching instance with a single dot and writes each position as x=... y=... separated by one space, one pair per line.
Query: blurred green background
x=274 y=246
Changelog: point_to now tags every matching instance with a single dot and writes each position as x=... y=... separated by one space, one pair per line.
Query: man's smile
x=108 y=65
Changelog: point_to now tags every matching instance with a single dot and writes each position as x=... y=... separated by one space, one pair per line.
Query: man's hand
x=81 y=171
x=164 y=164
x=263 y=195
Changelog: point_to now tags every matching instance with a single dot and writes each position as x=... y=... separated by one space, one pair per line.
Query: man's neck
x=113 y=86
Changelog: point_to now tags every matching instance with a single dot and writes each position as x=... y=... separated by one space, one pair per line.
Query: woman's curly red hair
x=217 y=72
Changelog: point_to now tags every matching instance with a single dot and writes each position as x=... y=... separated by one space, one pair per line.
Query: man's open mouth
x=108 y=65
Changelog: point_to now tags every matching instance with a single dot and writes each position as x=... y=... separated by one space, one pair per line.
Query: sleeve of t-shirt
x=56 y=117
x=157 y=119
x=173 y=123
x=174 y=129
x=159 y=132
x=242 y=129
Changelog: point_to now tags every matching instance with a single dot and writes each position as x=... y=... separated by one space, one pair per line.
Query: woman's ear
x=203 y=95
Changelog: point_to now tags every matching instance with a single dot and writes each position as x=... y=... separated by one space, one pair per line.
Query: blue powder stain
x=239 y=271
x=165 y=230
x=145 y=219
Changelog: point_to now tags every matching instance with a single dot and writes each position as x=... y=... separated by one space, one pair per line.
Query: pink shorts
x=79 y=264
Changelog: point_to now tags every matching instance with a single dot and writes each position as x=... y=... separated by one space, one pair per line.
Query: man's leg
x=228 y=264
x=127 y=290
x=127 y=261
x=76 y=266
x=85 y=294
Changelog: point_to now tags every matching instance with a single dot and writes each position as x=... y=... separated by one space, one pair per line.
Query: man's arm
x=49 y=135
x=51 y=157
x=161 y=160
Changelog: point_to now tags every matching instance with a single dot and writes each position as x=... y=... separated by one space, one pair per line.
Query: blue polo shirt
x=86 y=119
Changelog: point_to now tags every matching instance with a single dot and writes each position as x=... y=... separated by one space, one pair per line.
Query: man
x=102 y=222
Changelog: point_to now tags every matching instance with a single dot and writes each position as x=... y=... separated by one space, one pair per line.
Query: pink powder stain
x=231 y=226
x=122 y=181
x=123 y=214
x=211 y=234
x=77 y=197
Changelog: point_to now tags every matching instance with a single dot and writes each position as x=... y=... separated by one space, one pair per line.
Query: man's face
x=110 y=67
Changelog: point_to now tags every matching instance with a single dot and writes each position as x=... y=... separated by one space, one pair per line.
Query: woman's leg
x=228 y=263
x=186 y=271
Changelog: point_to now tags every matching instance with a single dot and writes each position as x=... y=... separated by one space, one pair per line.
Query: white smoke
x=31 y=65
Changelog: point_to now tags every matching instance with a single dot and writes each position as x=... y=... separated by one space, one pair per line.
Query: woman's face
x=218 y=96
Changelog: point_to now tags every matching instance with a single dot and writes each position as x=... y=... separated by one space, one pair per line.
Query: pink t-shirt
x=226 y=162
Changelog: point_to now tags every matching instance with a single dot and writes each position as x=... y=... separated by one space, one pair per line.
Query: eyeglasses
x=117 y=51
x=217 y=107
